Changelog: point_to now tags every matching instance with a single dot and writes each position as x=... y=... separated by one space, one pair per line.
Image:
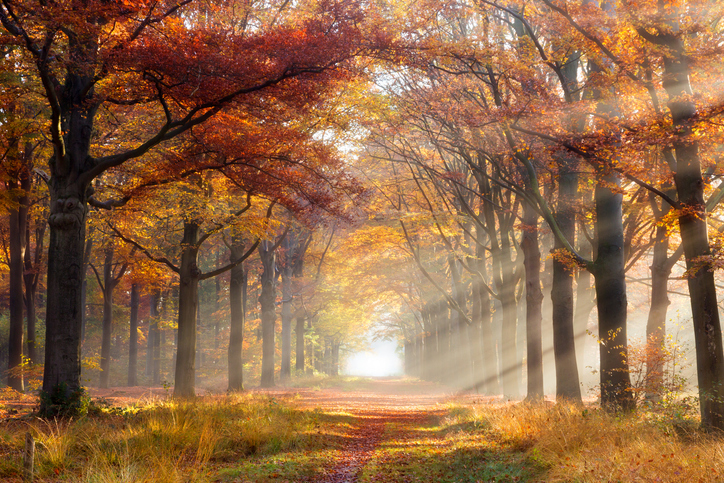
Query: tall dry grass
x=161 y=441
x=575 y=444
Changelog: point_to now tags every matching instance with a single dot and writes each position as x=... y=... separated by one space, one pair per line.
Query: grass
x=165 y=440
x=258 y=438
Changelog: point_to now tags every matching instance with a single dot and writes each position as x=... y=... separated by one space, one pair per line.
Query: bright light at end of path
x=382 y=361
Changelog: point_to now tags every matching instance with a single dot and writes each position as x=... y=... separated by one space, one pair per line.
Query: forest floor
x=340 y=430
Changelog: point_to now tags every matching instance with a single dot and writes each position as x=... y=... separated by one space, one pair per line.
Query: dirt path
x=382 y=403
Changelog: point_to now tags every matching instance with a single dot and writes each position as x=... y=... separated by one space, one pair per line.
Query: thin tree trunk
x=18 y=224
x=534 y=301
x=564 y=349
x=237 y=287
x=459 y=347
x=133 y=337
x=107 y=316
x=31 y=276
x=661 y=267
x=299 y=363
x=84 y=284
x=585 y=302
x=286 y=271
x=267 y=301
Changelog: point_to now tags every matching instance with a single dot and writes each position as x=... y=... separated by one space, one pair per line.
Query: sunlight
x=381 y=361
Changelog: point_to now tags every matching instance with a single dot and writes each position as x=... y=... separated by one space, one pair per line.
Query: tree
x=151 y=58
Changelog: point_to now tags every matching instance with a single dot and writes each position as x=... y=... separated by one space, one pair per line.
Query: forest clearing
x=358 y=430
x=215 y=215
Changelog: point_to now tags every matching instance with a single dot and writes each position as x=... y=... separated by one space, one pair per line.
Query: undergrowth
x=164 y=441
x=572 y=443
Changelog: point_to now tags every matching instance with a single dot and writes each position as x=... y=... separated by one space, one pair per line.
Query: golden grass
x=167 y=441
x=576 y=444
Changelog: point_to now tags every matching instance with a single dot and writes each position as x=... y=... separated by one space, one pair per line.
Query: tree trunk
x=611 y=296
x=160 y=305
x=533 y=303
x=661 y=267
x=237 y=287
x=459 y=343
x=18 y=220
x=585 y=302
x=299 y=363
x=133 y=337
x=564 y=349
x=184 y=383
x=474 y=333
x=490 y=373
x=286 y=367
x=61 y=375
x=84 y=284
x=693 y=225
x=510 y=366
x=267 y=300
x=31 y=276
x=107 y=316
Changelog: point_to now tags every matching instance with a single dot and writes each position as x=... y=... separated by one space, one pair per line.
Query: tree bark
x=18 y=220
x=107 y=316
x=459 y=343
x=237 y=302
x=694 y=236
x=661 y=266
x=564 y=348
x=611 y=298
x=31 y=273
x=184 y=383
x=290 y=247
x=299 y=363
x=533 y=303
x=267 y=300
x=133 y=337
x=61 y=375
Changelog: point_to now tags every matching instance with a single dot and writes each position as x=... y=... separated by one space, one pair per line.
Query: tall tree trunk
x=290 y=247
x=18 y=221
x=661 y=266
x=133 y=337
x=107 y=316
x=31 y=275
x=490 y=364
x=237 y=287
x=159 y=309
x=693 y=225
x=510 y=366
x=474 y=333
x=611 y=295
x=564 y=349
x=267 y=300
x=61 y=375
x=459 y=348
x=585 y=302
x=31 y=264
x=533 y=303
x=217 y=303
x=84 y=284
x=299 y=363
x=184 y=383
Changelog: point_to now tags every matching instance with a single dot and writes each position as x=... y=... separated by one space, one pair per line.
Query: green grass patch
x=447 y=450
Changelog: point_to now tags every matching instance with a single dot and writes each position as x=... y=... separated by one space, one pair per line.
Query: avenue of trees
x=490 y=183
